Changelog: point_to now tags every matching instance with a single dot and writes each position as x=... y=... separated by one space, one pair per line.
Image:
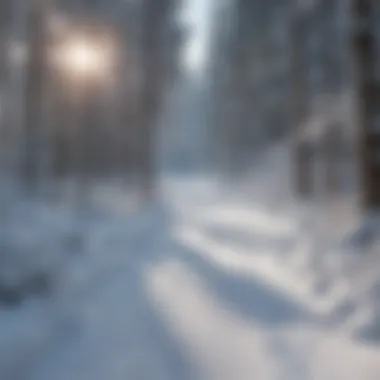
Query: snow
x=200 y=284
x=228 y=343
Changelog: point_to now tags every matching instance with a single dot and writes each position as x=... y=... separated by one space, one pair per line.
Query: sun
x=83 y=58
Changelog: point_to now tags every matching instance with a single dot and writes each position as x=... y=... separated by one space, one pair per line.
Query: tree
x=329 y=88
x=5 y=17
x=303 y=173
x=368 y=97
x=34 y=89
x=233 y=103
x=222 y=31
x=156 y=16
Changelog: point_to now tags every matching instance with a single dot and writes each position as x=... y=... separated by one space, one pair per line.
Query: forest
x=189 y=189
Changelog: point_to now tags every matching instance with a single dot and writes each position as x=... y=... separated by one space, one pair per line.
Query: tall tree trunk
x=331 y=143
x=5 y=17
x=34 y=89
x=220 y=69
x=303 y=173
x=5 y=84
x=154 y=18
x=237 y=91
x=368 y=97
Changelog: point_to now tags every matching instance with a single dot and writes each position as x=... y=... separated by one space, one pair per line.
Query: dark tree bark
x=330 y=86
x=34 y=90
x=236 y=101
x=303 y=173
x=5 y=19
x=368 y=97
x=155 y=17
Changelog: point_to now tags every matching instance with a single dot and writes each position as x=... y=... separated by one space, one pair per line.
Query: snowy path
x=163 y=298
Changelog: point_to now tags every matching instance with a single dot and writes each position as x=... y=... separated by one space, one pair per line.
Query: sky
x=196 y=14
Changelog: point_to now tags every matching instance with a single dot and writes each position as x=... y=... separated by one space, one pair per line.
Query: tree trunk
x=237 y=99
x=303 y=173
x=330 y=86
x=154 y=18
x=368 y=98
x=34 y=89
x=5 y=17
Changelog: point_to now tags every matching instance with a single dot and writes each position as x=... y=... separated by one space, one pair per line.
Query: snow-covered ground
x=200 y=285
